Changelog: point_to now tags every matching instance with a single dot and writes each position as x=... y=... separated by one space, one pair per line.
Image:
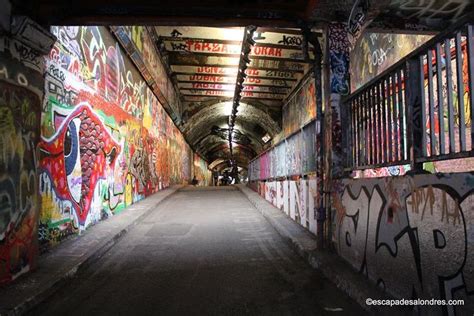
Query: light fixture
x=246 y=49
x=266 y=138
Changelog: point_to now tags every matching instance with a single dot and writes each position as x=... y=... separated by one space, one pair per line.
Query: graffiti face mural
x=106 y=140
x=75 y=158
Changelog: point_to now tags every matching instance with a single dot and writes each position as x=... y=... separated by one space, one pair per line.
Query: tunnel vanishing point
x=171 y=150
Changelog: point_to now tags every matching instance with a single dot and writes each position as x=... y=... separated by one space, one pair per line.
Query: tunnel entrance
x=352 y=122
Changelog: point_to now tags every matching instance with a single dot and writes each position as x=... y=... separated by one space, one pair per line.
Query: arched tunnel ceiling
x=201 y=123
x=220 y=157
x=204 y=62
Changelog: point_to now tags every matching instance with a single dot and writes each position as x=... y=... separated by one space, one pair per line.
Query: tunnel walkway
x=200 y=252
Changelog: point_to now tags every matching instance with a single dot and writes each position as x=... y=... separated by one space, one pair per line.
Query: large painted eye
x=71 y=147
x=72 y=159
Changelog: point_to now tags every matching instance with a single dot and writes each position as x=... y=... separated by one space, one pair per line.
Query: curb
x=333 y=267
x=49 y=289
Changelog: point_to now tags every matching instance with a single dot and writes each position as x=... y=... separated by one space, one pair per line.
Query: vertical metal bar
x=439 y=79
x=410 y=70
x=401 y=114
x=384 y=121
x=389 y=120
x=379 y=125
x=395 y=117
x=431 y=102
x=460 y=92
x=348 y=156
x=374 y=124
x=364 y=129
x=353 y=132
x=359 y=129
x=369 y=126
x=470 y=45
x=449 y=96
x=424 y=136
x=356 y=131
x=356 y=127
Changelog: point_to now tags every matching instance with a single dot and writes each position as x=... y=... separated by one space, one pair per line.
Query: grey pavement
x=203 y=251
x=64 y=262
x=329 y=264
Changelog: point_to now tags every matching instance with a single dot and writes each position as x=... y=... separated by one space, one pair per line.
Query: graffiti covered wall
x=339 y=48
x=300 y=109
x=295 y=198
x=421 y=227
x=140 y=47
x=201 y=171
x=21 y=86
x=293 y=158
x=106 y=141
x=375 y=52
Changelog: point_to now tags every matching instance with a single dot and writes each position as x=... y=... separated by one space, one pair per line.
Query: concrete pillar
x=22 y=46
x=338 y=85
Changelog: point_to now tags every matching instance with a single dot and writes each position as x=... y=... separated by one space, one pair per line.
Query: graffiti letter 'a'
x=76 y=156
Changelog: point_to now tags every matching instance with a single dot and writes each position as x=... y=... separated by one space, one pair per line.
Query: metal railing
x=295 y=155
x=420 y=109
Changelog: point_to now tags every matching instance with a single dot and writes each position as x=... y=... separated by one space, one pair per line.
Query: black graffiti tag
x=290 y=40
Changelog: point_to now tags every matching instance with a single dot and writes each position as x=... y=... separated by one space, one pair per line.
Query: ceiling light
x=266 y=138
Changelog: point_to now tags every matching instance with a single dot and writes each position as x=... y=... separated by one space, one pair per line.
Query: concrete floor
x=201 y=252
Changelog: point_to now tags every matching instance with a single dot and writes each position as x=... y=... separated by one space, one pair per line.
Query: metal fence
x=294 y=156
x=420 y=109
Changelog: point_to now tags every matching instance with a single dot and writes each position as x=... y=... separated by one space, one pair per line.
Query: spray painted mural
x=339 y=47
x=295 y=198
x=106 y=140
x=300 y=109
x=375 y=52
x=139 y=44
x=20 y=108
x=419 y=226
x=201 y=171
x=293 y=158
